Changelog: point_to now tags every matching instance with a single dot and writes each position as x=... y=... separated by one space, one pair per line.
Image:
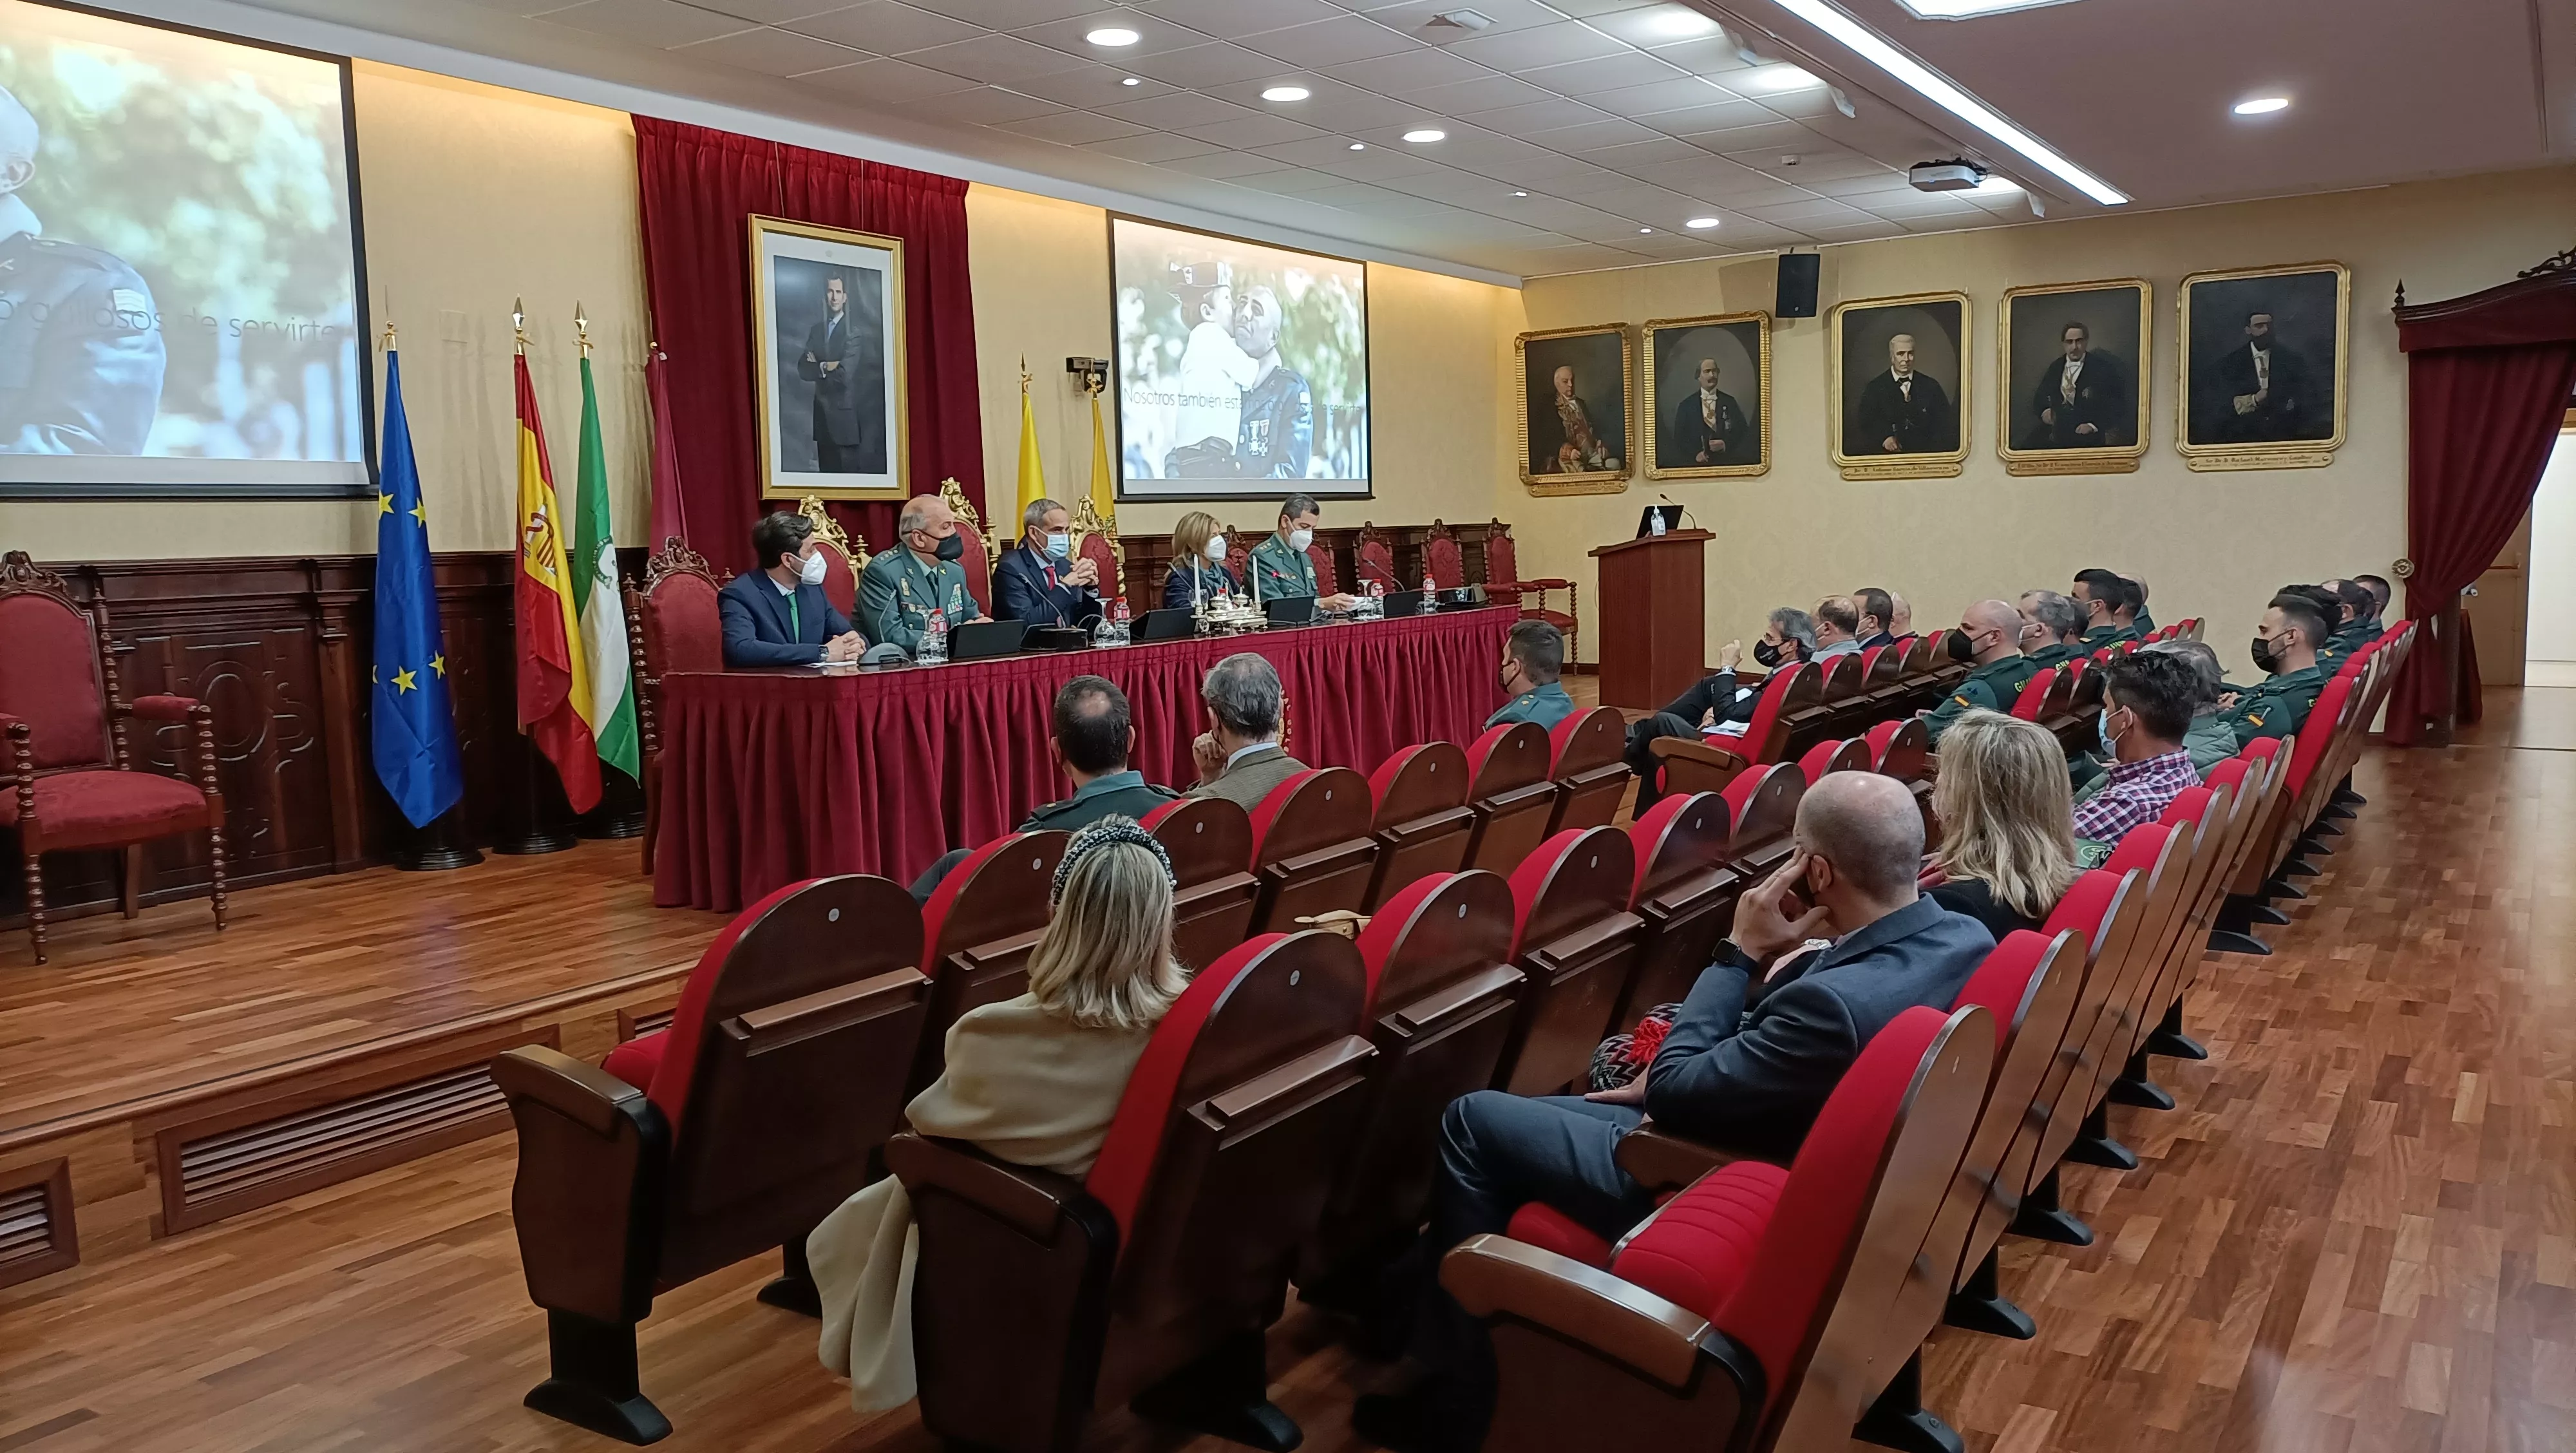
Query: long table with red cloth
x=769 y=777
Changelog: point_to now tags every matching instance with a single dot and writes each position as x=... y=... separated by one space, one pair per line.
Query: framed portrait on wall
x=1575 y=385
x=2074 y=376
x=827 y=361
x=1708 y=396
x=2265 y=353
x=1897 y=372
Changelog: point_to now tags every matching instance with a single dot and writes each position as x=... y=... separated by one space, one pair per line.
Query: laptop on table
x=983 y=640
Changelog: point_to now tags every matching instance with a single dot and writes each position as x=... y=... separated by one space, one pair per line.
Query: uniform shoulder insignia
x=2254 y=718
x=1961 y=700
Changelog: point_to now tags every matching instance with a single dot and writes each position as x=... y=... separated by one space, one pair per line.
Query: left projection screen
x=181 y=305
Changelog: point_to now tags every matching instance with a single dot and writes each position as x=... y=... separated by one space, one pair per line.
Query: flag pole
x=441 y=843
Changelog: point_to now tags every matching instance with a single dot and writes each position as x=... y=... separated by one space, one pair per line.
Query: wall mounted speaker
x=1795 y=296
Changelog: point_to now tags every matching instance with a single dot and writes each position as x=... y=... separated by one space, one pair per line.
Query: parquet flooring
x=2357 y=1232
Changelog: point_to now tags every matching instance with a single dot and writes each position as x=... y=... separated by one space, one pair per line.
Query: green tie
x=795 y=622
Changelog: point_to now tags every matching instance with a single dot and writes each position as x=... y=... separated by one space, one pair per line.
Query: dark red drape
x=697 y=188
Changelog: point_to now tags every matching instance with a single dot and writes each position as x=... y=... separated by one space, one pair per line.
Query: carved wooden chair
x=1503 y=586
x=71 y=781
x=1441 y=559
x=845 y=554
x=1377 y=559
x=980 y=549
x=671 y=625
x=1328 y=579
x=1096 y=540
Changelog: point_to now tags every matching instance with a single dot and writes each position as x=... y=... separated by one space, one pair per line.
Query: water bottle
x=1655 y=522
x=934 y=641
x=1430 y=592
x=1118 y=614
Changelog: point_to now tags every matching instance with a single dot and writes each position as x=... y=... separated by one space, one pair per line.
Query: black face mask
x=952 y=547
x=2264 y=661
x=1766 y=653
x=1961 y=647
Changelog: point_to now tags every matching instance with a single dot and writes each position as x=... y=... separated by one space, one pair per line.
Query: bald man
x=80 y=358
x=1989 y=635
x=902 y=588
x=1750 y=1081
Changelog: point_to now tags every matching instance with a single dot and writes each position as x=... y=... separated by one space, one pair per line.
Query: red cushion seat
x=1697 y=1249
x=1549 y=1229
x=638 y=1059
x=107 y=808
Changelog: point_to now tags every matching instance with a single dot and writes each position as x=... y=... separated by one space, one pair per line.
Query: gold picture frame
x=1581 y=349
x=1651 y=408
x=2116 y=346
x=1857 y=317
x=791 y=265
x=2200 y=420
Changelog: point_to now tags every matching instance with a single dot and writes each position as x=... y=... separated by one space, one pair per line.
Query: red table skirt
x=770 y=777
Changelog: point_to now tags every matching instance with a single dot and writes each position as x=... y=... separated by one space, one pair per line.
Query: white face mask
x=812 y=568
x=1216 y=550
x=1300 y=539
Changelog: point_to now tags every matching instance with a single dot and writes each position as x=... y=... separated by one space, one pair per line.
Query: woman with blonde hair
x=2007 y=850
x=1198 y=563
x=1033 y=1080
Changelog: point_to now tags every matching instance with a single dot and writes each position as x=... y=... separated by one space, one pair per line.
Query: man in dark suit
x=1902 y=411
x=2082 y=398
x=1750 y=1079
x=777 y=615
x=1041 y=582
x=2263 y=391
x=849 y=388
x=1708 y=428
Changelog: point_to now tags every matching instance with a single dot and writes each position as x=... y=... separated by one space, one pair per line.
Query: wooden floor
x=2357 y=1233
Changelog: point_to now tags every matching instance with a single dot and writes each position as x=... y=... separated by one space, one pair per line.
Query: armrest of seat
x=587 y=1203
x=1032 y=1201
x=161 y=708
x=1661 y=1161
x=1495 y=1276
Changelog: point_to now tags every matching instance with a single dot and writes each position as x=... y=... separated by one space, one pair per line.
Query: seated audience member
x=1837 y=621
x=1033 y=1080
x=1717 y=703
x=2147 y=700
x=2285 y=649
x=2209 y=741
x=2007 y=851
x=1877 y=609
x=1199 y=572
x=2103 y=596
x=1041 y=582
x=1238 y=756
x=902 y=587
x=1751 y=1081
x=1533 y=660
x=2381 y=593
x=2138 y=617
x=2052 y=628
x=1280 y=567
x=1989 y=634
x=777 y=615
x=2353 y=623
x=1900 y=616
x=1094 y=738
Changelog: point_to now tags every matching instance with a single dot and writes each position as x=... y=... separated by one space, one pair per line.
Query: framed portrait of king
x=2074 y=376
x=2265 y=353
x=827 y=361
x=1897 y=374
x=1708 y=396
x=1575 y=387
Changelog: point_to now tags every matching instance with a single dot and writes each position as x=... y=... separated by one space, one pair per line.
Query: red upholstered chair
x=1442 y=999
x=1823 y=757
x=1512 y=794
x=1327 y=577
x=1377 y=560
x=1504 y=586
x=978 y=559
x=1422 y=822
x=1765 y=804
x=1577 y=942
x=2204 y=819
x=1882 y=679
x=1209 y=840
x=1097 y=547
x=1591 y=778
x=1037 y=1298
x=70 y=780
x=732 y=1132
x=672 y=624
x=1709 y=763
x=1684 y=897
x=843 y=557
x=2034 y=695
x=1312 y=847
x=1743 y=1313
x=1238 y=557
x=978 y=930
x=1442 y=558
x=1836 y=701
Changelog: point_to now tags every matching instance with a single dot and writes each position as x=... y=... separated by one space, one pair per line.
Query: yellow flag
x=1104 y=485
x=1032 y=475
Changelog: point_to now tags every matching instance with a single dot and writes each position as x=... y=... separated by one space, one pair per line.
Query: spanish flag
x=553 y=694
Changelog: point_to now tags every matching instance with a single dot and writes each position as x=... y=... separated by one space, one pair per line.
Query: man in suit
x=2081 y=398
x=1717 y=701
x=1041 y=582
x=1902 y=411
x=777 y=615
x=1533 y=662
x=902 y=587
x=1877 y=610
x=1093 y=741
x=2264 y=392
x=1749 y=1079
x=1238 y=756
x=1708 y=428
x=849 y=388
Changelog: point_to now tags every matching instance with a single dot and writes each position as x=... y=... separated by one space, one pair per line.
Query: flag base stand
x=620 y=813
x=437 y=847
x=543 y=820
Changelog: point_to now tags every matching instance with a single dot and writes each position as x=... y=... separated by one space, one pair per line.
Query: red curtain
x=698 y=186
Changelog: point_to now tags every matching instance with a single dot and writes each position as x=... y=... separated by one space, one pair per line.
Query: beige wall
x=2209 y=544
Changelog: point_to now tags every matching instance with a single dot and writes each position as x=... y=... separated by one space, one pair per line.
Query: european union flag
x=415 y=729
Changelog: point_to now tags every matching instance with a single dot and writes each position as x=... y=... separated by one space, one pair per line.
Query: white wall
x=2550 y=649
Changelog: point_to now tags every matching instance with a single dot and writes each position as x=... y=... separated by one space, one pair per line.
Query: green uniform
x=2145 y=622
x=2100 y=636
x=2346 y=641
x=1125 y=794
x=2277 y=707
x=2056 y=653
x=1994 y=686
x=899 y=590
x=1279 y=573
x=1546 y=706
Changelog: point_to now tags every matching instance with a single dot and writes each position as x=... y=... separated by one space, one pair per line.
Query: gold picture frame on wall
x=1882 y=425
x=1575 y=433
x=2264 y=361
x=828 y=383
x=1707 y=429
x=2072 y=394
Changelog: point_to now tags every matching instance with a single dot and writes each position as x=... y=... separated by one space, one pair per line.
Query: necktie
x=795 y=620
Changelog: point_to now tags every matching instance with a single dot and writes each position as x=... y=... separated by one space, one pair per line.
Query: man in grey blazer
x=1239 y=756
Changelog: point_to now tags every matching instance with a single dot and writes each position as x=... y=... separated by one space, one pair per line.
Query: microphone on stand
x=1685 y=509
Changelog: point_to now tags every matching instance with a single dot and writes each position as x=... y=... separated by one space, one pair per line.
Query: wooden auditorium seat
x=1209 y=840
x=672 y=624
x=1903 y=750
x=1684 y=898
x=1511 y=794
x=1824 y=757
x=2034 y=694
x=1422 y=822
x=1312 y=847
x=1764 y=802
x=978 y=930
x=730 y=1133
x=1591 y=776
x=1577 y=942
x=1037 y=1297
x=1708 y=763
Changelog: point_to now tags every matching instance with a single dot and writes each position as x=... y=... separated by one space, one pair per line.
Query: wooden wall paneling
x=39 y=1235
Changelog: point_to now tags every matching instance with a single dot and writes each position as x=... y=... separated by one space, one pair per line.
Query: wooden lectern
x=1654 y=628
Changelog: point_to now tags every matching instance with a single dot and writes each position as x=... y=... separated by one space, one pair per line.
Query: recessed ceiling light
x=1359 y=146
x=1680 y=23
x=1131 y=81
x=1286 y=93
x=2262 y=105
x=1772 y=78
x=1642 y=231
x=1425 y=135
x=1701 y=223
x=1520 y=194
x=1112 y=35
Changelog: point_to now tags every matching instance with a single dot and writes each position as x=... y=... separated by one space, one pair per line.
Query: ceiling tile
x=1630 y=156
x=1413 y=17
x=885 y=81
x=1709 y=57
x=1820 y=211
x=650 y=22
x=1604 y=73
x=1824 y=164
x=1092 y=86
x=1408 y=70
x=1183 y=111
x=1256 y=129
x=1331 y=42
x=1213 y=64
x=887 y=27
x=1155 y=36
x=1231 y=19
x=1152 y=146
x=994 y=59
x=1641 y=25
x=1683 y=95
x=1693 y=120
x=1856 y=188
x=770 y=52
x=1802 y=103
x=1227 y=165
x=1297 y=181
x=1488 y=92
x=1532 y=117
x=983 y=106
x=1463 y=189
x=1073 y=128
x=1540 y=45
x=1592 y=135
x=1773 y=137
x=1377 y=164
x=1010 y=14
x=763 y=12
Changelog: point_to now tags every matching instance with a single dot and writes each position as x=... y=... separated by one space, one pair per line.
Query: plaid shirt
x=2136 y=794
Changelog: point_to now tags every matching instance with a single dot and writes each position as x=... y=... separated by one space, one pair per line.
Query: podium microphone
x=1685 y=509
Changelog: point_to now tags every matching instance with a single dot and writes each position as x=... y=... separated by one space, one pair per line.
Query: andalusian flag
x=1032 y=475
x=603 y=616
x=1104 y=485
x=554 y=690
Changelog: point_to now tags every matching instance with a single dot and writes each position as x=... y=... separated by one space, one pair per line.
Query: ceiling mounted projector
x=1945 y=176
